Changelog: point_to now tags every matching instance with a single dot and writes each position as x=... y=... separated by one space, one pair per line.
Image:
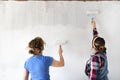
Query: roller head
x=62 y=42
x=92 y=13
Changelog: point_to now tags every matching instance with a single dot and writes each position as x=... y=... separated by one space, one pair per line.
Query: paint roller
x=61 y=42
x=92 y=14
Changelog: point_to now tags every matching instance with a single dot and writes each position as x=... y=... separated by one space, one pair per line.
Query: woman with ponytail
x=97 y=66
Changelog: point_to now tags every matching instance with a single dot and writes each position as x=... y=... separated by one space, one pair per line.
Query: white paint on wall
x=67 y=21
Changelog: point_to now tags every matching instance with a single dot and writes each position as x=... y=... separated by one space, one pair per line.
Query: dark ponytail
x=99 y=44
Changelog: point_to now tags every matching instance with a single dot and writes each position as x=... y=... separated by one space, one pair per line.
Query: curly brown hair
x=36 y=46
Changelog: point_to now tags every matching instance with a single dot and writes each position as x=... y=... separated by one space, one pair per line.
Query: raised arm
x=60 y=62
x=93 y=24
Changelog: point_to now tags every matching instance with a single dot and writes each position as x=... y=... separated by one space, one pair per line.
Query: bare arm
x=59 y=63
x=26 y=75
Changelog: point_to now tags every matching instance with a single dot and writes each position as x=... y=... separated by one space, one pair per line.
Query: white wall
x=53 y=21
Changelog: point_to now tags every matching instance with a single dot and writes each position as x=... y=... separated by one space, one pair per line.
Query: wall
x=57 y=21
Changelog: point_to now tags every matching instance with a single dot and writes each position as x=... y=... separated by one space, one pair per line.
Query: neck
x=39 y=54
x=95 y=51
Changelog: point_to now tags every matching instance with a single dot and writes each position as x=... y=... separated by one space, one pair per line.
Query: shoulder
x=28 y=59
x=101 y=55
x=27 y=62
x=47 y=58
x=97 y=57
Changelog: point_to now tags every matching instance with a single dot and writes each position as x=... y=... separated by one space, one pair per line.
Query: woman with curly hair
x=38 y=64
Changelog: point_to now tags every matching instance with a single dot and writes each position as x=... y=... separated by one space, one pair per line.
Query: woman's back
x=38 y=67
